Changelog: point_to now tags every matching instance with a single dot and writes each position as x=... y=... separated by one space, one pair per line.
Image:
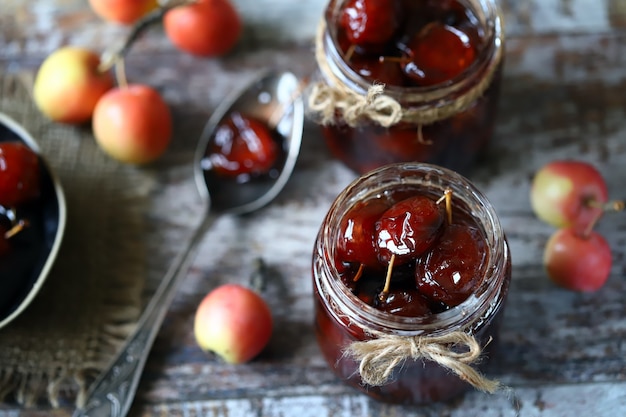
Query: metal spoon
x=269 y=95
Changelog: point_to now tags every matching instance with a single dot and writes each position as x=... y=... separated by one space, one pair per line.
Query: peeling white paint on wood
x=564 y=354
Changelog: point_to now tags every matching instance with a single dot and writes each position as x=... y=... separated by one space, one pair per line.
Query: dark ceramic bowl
x=24 y=270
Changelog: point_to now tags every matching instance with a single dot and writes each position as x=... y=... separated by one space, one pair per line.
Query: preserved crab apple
x=243 y=145
x=243 y=148
x=19 y=174
x=403 y=81
x=20 y=191
x=410 y=255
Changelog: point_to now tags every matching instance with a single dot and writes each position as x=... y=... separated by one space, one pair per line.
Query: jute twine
x=379 y=357
x=330 y=99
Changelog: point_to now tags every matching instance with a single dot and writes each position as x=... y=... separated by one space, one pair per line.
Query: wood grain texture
x=562 y=353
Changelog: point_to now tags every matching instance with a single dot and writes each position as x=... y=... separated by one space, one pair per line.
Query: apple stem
x=120 y=73
x=447 y=196
x=616 y=205
x=349 y=53
x=398 y=59
x=420 y=136
x=110 y=57
x=591 y=225
x=358 y=274
x=388 y=276
x=15 y=229
x=258 y=278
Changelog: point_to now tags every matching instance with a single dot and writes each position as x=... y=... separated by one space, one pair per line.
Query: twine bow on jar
x=330 y=99
x=379 y=357
x=325 y=101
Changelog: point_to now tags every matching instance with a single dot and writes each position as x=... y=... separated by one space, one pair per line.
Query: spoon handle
x=113 y=392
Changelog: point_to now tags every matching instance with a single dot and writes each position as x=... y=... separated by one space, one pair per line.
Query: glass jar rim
x=466 y=316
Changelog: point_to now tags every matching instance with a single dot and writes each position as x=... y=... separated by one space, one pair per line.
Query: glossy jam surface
x=434 y=262
x=243 y=145
x=244 y=151
x=433 y=44
x=436 y=266
x=429 y=42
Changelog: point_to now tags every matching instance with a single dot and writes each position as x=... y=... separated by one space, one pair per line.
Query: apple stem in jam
x=18 y=227
x=350 y=52
x=420 y=136
x=359 y=273
x=388 y=277
x=447 y=197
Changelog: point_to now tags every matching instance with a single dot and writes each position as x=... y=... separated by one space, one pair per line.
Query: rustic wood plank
x=586 y=399
x=35 y=28
x=562 y=353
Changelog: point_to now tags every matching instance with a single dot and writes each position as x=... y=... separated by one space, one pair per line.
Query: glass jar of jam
x=407 y=80
x=410 y=273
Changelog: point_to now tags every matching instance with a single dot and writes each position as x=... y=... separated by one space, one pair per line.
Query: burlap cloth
x=92 y=298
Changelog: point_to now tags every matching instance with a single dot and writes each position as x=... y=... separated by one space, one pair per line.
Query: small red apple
x=233 y=322
x=205 y=28
x=568 y=193
x=577 y=262
x=133 y=124
x=69 y=83
x=125 y=12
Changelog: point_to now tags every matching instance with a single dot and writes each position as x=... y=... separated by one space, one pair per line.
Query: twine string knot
x=325 y=101
x=455 y=351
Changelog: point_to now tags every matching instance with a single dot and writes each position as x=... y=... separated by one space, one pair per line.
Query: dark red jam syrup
x=435 y=262
x=426 y=44
x=244 y=150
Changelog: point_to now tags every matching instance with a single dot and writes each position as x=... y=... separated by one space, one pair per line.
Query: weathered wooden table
x=564 y=96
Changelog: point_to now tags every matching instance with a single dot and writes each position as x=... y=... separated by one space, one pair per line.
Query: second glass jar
x=436 y=77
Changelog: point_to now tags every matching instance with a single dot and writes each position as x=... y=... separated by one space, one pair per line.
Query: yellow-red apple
x=234 y=322
x=124 y=12
x=133 y=124
x=568 y=193
x=69 y=83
